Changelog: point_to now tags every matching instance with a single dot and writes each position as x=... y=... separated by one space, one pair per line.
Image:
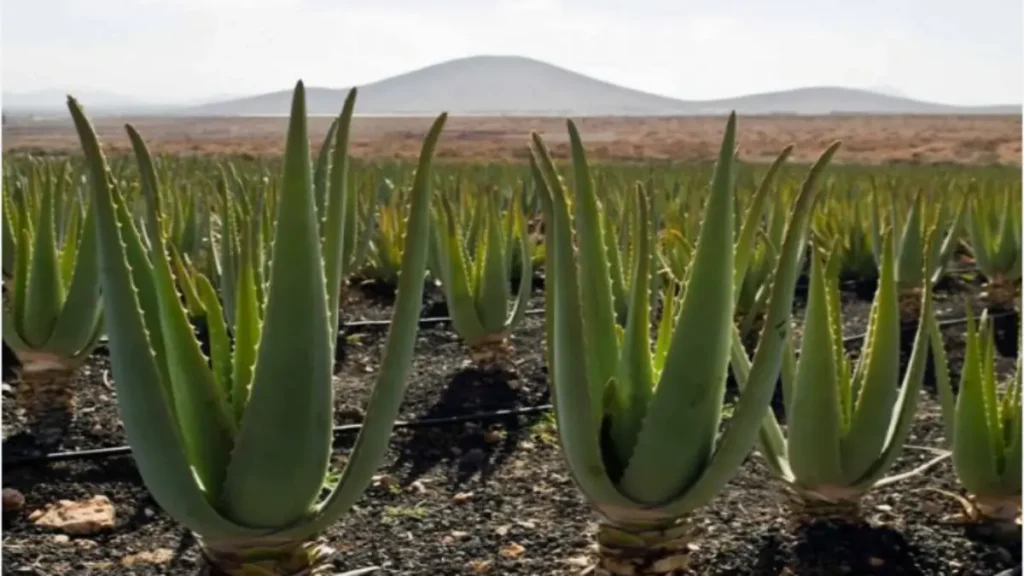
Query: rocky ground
x=489 y=495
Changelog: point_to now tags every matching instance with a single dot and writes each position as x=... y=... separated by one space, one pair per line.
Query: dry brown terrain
x=866 y=139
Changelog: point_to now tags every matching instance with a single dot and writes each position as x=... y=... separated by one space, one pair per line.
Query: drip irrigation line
x=940 y=323
x=101 y=453
x=356 y=325
x=427 y=321
x=349 y=327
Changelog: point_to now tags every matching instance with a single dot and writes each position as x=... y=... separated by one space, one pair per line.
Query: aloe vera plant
x=841 y=222
x=332 y=171
x=915 y=244
x=757 y=246
x=845 y=424
x=52 y=313
x=385 y=249
x=236 y=448
x=639 y=430
x=473 y=269
x=993 y=227
x=983 y=428
x=757 y=242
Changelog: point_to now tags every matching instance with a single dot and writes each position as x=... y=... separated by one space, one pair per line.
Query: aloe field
x=312 y=363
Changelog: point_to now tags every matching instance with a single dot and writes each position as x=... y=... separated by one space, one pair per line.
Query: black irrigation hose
x=348 y=327
x=358 y=324
x=100 y=453
x=422 y=321
x=941 y=324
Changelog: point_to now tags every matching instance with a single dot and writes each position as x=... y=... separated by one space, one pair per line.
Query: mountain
x=834 y=100
x=510 y=85
x=480 y=85
x=517 y=86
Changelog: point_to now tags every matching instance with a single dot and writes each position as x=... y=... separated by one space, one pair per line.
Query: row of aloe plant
x=234 y=441
x=977 y=209
x=977 y=214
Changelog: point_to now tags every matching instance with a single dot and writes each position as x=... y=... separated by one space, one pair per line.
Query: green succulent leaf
x=372 y=442
x=269 y=482
x=202 y=410
x=687 y=401
x=143 y=397
x=45 y=295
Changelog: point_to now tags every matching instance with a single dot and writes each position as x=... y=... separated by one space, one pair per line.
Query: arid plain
x=866 y=139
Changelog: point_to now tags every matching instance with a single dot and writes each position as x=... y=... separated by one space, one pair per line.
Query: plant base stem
x=909 y=301
x=625 y=552
x=1002 y=293
x=833 y=506
x=47 y=396
x=492 y=354
x=267 y=559
x=996 y=518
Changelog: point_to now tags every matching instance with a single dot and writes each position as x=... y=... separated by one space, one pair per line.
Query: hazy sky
x=173 y=50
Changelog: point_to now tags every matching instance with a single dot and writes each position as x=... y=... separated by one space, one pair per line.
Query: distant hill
x=480 y=85
x=48 y=102
x=516 y=86
x=834 y=100
x=54 y=103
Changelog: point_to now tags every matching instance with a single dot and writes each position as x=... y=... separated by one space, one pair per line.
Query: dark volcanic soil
x=494 y=497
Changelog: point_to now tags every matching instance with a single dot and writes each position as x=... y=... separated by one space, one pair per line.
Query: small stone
x=1003 y=554
x=512 y=551
x=8 y=389
x=672 y=564
x=148 y=512
x=883 y=508
x=493 y=436
x=474 y=456
x=462 y=497
x=876 y=562
x=460 y=535
x=501 y=530
x=386 y=480
x=479 y=566
x=158 y=556
x=352 y=414
x=79 y=518
x=13 y=500
x=526 y=445
x=579 y=562
x=97 y=430
x=61 y=539
x=86 y=544
x=418 y=487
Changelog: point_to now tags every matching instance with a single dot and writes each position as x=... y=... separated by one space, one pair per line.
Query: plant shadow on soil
x=469 y=448
x=472 y=447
